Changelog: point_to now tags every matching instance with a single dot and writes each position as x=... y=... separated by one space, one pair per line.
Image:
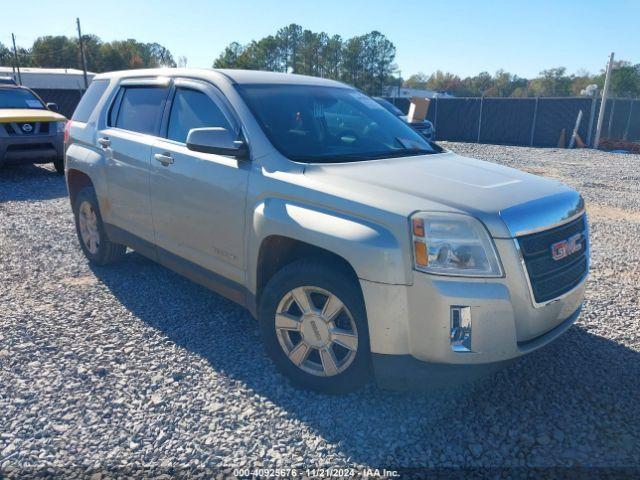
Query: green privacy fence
x=529 y=121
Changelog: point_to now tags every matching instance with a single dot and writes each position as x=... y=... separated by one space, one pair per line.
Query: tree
x=229 y=57
x=417 y=80
x=289 y=39
x=445 y=82
x=479 y=85
x=331 y=60
x=365 y=61
x=64 y=52
x=380 y=54
x=131 y=54
x=552 y=83
x=6 y=55
x=55 y=52
x=625 y=80
x=92 y=45
x=353 y=62
x=309 y=51
x=160 y=55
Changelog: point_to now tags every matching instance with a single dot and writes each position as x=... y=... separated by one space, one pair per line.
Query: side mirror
x=53 y=106
x=216 y=140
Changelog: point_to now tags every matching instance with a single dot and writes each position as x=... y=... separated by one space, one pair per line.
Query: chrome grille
x=27 y=128
x=550 y=278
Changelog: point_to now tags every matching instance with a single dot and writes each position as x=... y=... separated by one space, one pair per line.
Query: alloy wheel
x=88 y=221
x=316 y=331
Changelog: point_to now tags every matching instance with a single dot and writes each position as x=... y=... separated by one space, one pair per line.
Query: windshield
x=330 y=124
x=389 y=106
x=18 y=98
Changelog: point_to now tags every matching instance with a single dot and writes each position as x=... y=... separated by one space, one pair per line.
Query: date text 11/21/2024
x=315 y=473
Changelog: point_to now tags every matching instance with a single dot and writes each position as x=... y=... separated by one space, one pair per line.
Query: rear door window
x=89 y=100
x=141 y=109
x=193 y=109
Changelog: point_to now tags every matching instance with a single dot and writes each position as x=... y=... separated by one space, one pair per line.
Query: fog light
x=460 y=337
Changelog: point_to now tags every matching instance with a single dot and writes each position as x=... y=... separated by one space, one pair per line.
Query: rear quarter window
x=89 y=100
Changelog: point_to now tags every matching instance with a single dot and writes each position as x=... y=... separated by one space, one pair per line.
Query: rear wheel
x=91 y=233
x=314 y=327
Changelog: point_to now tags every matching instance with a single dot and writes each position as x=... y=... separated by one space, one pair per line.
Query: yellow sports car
x=30 y=130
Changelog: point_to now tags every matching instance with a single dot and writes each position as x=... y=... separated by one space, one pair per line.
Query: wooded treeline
x=64 y=52
x=364 y=61
x=554 y=82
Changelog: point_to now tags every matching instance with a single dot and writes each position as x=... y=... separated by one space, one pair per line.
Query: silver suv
x=359 y=246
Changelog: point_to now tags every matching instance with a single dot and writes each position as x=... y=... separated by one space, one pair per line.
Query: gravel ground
x=132 y=366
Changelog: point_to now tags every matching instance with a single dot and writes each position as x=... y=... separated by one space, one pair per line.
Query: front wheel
x=314 y=326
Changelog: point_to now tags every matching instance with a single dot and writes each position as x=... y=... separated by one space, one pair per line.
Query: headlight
x=453 y=244
x=60 y=126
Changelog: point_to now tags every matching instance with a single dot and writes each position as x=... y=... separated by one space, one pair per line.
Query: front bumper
x=402 y=372
x=414 y=322
x=31 y=148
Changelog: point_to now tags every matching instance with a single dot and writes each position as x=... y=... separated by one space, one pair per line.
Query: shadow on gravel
x=30 y=182
x=572 y=403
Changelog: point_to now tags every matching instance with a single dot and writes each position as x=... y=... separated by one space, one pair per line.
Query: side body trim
x=202 y=276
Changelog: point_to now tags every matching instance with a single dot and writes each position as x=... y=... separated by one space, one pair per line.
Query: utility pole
x=82 y=57
x=605 y=93
x=16 y=60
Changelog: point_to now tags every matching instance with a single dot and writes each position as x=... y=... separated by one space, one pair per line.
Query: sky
x=462 y=37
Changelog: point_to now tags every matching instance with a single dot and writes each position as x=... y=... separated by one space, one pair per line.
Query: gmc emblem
x=564 y=248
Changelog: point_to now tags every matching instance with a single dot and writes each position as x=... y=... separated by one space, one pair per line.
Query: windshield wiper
x=355 y=157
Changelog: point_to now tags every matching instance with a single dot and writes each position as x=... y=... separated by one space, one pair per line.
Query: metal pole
x=533 y=124
x=575 y=129
x=605 y=93
x=17 y=60
x=592 y=115
x=82 y=57
x=613 y=107
x=480 y=119
x=435 y=118
x=626 y=129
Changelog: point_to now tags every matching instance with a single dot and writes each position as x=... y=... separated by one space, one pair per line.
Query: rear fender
x=92 y=163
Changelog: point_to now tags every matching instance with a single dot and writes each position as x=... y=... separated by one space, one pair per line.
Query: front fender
x=372 y=250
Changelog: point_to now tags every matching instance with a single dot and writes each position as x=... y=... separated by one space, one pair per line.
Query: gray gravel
x=132 y=366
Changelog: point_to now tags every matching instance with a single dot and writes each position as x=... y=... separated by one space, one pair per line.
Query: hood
x=29 y=115
x=508 y=201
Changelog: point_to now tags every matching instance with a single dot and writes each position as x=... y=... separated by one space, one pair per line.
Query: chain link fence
x=529 y=121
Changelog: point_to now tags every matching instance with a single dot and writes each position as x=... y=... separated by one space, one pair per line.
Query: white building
x=393 y=91
x=49 y=78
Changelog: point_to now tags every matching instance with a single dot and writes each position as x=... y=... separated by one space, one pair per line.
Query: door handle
x=104 y=142
x=164 y=158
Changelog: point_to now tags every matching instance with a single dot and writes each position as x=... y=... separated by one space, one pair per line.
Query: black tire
x=107 y=252
x=58 y=163
x=332 y=277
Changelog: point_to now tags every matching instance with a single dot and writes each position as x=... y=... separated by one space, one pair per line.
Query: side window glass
x=115 y=108
x=89 y=100
x=141 y=109
x=193 y=109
